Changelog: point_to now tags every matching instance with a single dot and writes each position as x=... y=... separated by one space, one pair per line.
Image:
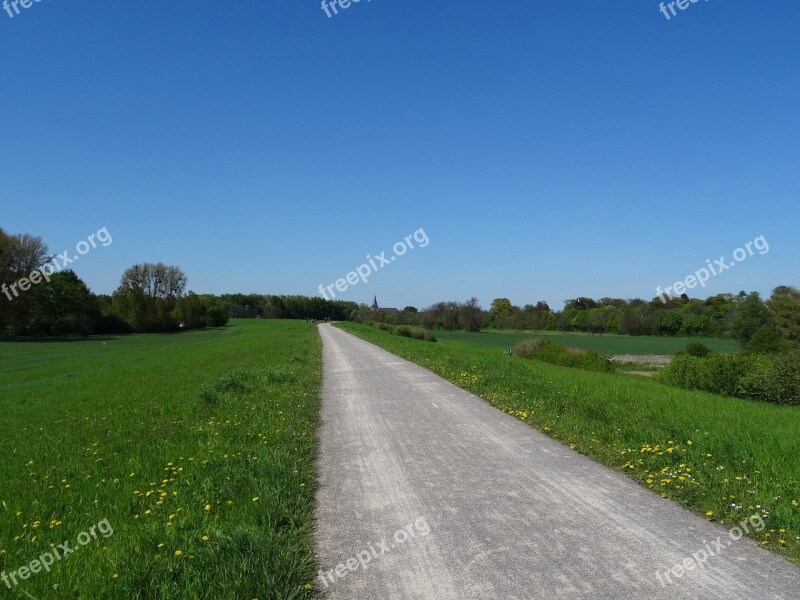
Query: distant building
x=377 y=308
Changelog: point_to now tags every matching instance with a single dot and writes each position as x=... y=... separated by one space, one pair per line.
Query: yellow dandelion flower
x=255 y=499
x=207 y=507
x=178 y=552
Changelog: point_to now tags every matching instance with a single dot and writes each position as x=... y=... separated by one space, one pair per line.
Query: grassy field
x=725 y=458
x=604 y=344
x=194 y=452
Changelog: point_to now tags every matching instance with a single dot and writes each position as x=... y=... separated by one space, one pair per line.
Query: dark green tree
x=750 y=315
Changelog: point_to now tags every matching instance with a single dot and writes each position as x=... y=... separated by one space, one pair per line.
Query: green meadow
x=602 y=343
x=725 y=458
x=197 y=449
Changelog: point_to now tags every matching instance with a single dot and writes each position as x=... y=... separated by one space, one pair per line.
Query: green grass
x=729 y=457
x=197 y=448
x=604 y=344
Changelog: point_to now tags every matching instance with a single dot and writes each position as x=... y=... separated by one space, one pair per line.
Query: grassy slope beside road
x=604 y=344
x=726 y=458
x=198 y=448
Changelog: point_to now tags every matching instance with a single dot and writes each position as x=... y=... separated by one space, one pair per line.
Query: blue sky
x=548 y=149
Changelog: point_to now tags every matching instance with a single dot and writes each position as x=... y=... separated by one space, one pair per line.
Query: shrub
x=420 y=334
x=527 y=348
x=757 y=381
x=416 y=333
x=697 y=349
x=551 y=352
x=769 y=378
x=765 y=341
x=217 y=316
x=787 y=377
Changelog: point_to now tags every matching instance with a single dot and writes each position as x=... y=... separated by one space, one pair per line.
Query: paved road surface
x=491 y=508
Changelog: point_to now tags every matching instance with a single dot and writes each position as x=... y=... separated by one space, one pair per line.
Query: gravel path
x=429 y=492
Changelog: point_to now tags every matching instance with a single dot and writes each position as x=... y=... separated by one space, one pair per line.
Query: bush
x=765 y=341
x=415 y=333
x=422 y=334
x=769 y=378
x=419 y=334
x=551 y=352
x=217 y=316
x=528 y=348
x=786 y=383
x=697 y=349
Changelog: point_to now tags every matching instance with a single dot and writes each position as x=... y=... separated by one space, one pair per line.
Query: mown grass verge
x=197 y=449
x=726 y=458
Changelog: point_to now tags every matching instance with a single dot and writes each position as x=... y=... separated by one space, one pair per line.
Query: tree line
x=151 y=297
x=762 y=324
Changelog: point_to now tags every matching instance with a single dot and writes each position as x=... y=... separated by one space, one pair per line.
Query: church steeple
x=375 y=302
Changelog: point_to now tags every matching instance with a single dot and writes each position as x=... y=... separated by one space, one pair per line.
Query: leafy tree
x=155 y=280
x=20 y=255
x=750 y=315
x=502 y=314
x=695 y=349
x=64 y=306
x=697 y=325
x=471 y=315
x=784 y=309
x=765 y=341
x=670 y=324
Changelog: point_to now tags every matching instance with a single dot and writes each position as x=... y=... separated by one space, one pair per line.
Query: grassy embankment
x=197 y=448
x=726 y=458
